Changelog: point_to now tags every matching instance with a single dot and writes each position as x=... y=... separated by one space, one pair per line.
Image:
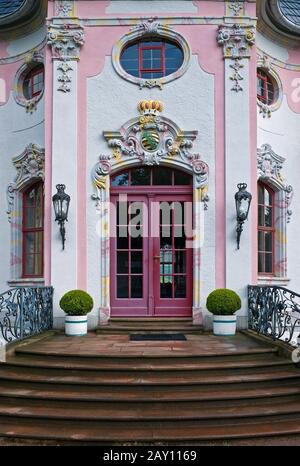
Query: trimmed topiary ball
x=76 y=303
x=223 y=302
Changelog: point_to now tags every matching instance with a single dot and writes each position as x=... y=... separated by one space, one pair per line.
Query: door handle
x=156 y=257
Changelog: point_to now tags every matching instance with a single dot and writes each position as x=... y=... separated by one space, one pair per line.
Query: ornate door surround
x=150 y=139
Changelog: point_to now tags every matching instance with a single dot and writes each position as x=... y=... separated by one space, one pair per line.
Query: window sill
x=27 y=282
x=269 y=280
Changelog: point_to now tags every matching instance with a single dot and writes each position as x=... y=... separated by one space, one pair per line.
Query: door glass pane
x=162 y=176
x=140 y=177
x=166 y=286
x=180 y=261
x=122 y=286
x=179 y=237
x=122 y=262
x=165 y=237
x=136 y=262
x=181 y=178
x=180 y=286
x=120 y=180
x=122 y=243
x=136 y=286
x=136 y=243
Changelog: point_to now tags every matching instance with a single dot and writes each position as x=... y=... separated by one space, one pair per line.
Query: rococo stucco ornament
x=63 y=7
x=149 y=140
x=236 y=6
x=30 y=166
x=237 y=41
x=269 y=166
x=65 y=41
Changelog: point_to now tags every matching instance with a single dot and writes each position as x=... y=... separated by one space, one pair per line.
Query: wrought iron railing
x=274 y=311
x=25 y=312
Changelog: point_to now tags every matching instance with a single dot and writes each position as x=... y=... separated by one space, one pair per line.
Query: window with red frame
x=265 y=87
x=34 y=82
x=33 y=231
x=266 y=230
x=151 y=59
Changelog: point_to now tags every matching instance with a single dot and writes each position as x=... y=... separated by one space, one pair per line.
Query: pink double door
x=151 y=253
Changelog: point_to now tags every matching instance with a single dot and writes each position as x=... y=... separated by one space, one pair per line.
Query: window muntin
x=33 y=231
x=265 y=87
x=151 y=59
x=34 y=82
x=266 y=230
x=145 y=176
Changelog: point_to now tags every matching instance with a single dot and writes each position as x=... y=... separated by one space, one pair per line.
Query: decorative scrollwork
x=25 y=312
x=274 y=311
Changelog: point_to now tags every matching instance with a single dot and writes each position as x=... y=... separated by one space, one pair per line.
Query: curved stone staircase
x=189 y=392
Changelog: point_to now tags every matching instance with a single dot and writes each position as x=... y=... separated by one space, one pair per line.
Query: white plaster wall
x=237 y=170
x=189 y=102
x=18 y=129
x=150 y=6
x=281 y=131
x=64 y=171
x=25 y=43
x=271 y=48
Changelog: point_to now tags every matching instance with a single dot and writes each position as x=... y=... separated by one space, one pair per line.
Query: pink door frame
x=151 y=304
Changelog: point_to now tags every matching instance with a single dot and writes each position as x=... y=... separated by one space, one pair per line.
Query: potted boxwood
x=223 y=303
x=76 y=304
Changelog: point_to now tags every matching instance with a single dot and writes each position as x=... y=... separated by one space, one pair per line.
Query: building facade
x=151 y=113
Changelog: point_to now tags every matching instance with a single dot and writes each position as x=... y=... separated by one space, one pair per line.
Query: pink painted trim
x=81 y=180
x=253 y=162
x=220 y=222
x=48 y=166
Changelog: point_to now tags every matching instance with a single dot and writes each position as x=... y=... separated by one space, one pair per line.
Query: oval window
x=33 y=83
x=266 y=90
x=152 y=58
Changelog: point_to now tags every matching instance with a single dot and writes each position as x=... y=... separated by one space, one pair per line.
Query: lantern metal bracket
x=242 y=196
x=61 y=201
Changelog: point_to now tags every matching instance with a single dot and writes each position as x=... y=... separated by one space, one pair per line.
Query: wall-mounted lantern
x=242 y=205
x=61 y=202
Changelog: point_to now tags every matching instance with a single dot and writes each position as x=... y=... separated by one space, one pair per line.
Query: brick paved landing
x=100 y=345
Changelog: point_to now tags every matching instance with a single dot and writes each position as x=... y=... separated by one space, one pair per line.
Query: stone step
x=136 y=365
x=158 y=411
x=147 y=393
x=153 y=431
x=56 y=376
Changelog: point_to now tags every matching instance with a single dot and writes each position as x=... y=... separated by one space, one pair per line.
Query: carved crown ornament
x=150 y=139
x=30 y=166
x=269 y=166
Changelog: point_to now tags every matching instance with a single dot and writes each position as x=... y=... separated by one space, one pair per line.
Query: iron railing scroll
x=274 y=311
x=25 y=311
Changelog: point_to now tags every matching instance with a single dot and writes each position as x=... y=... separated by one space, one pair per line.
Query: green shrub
x=76 y=303
x=223 y=302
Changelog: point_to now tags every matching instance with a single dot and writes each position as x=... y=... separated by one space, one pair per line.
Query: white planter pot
x=224 y=325
x=76 y=326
